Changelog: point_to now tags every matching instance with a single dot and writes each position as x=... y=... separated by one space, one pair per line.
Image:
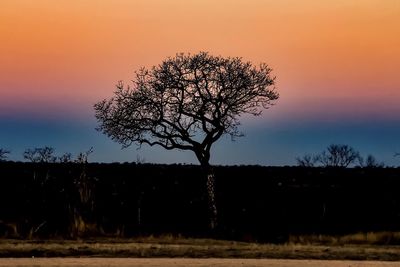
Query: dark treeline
x=255 y=203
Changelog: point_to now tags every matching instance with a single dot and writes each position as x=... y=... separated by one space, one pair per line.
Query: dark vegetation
x=265 y=204
x=341 y=156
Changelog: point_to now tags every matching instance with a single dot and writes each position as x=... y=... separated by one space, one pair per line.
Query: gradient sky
x=337 y=65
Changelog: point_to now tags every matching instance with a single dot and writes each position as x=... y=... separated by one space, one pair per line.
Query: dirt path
x=184 y=262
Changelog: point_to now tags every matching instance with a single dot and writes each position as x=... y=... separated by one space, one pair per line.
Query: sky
x=336 y=64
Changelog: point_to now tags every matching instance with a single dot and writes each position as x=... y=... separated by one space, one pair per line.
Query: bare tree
x=30 y=154
x=65 y=158
x=83 y=156
x=338 y=156
x=187 y=102
x=42 y=154
x=4 y=154
x=371 y=162
x=306 y=161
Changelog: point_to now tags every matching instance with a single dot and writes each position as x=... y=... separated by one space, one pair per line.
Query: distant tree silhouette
x=338 y=156
x=187 y=102
x=306 y=161
x=4 y=154
x=65 y=158
x=83 y=156
x=42 y=154
x=371 y=162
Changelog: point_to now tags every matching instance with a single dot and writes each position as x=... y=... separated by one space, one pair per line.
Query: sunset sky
x=336 y=64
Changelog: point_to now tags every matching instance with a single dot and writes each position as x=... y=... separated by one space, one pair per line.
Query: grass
x=368 y=238
x=172 y=246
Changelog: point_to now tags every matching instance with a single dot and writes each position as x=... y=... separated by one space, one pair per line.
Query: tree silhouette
x=84 y=156
x=371 y=162
x=65 y=158
x=187 y=102
x=41 y=154
x=306 y=161
x=338 y=156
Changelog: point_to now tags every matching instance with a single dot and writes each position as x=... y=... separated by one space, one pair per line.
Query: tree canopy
x=187 y=102
x=335 y=156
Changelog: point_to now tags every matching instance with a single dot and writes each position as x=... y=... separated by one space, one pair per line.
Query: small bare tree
x=187 y=102
x=83 y=156
x=4 y=154
x=371 y=162
x=306 y=161
x=338 y=156
x=65 y=158
x=42 y=154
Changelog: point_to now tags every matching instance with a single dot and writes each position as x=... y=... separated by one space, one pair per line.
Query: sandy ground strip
x=186 y=262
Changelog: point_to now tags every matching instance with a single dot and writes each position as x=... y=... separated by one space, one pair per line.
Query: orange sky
x=66 y=55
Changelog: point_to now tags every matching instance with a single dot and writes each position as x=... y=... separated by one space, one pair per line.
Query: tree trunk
x=212 y=203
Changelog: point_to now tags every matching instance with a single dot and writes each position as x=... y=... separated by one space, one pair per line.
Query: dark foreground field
x=193 y=248
x=255 y=203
